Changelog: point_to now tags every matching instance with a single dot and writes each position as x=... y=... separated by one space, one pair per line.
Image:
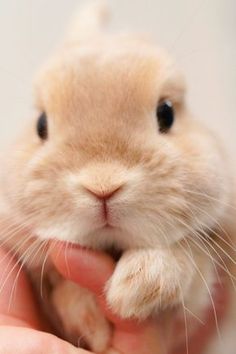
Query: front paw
x=143 y=282
x=81 y=317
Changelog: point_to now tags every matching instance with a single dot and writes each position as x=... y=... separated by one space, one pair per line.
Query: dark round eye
x=42 y=127
x=165 y=116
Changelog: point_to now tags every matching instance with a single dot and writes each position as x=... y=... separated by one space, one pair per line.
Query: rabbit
x=114 y=159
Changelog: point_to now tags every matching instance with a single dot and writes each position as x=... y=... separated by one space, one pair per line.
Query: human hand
x=22 y=328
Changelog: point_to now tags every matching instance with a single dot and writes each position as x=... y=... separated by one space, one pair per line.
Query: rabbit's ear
x=89 y=22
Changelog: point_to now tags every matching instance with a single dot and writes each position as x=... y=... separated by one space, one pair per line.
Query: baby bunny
x=113 y=159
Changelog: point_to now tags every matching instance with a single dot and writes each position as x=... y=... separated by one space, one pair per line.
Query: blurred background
x=200 y=34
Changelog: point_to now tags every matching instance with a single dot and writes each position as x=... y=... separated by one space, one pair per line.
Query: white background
x=200 y=34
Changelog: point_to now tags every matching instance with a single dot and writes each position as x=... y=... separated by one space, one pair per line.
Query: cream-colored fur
x=100 y=93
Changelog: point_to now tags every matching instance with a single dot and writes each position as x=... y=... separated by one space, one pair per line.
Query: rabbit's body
x=105 y=172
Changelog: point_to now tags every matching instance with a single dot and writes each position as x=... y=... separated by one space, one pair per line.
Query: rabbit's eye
x=165 y=115
x=42 y=127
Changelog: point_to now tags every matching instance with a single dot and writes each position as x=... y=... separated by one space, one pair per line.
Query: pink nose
x=103 y=194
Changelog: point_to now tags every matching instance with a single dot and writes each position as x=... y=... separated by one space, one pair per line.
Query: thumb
x=26 y=341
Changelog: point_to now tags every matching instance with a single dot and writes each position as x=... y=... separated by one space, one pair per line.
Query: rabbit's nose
x=103 y=194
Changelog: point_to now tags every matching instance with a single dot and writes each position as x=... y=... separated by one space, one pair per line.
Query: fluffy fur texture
x=100 y=93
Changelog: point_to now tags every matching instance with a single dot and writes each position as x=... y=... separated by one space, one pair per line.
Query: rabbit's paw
x=143 y=282
x=82 y=319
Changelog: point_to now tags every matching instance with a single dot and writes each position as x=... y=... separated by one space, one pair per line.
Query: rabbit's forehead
x=87 y=79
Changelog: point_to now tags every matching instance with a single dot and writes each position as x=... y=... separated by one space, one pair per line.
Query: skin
x=22 y=321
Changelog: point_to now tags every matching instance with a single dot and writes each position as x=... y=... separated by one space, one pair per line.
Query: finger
x=28 y=341
x=88 y=268
x=141 y=340
x=17 y=305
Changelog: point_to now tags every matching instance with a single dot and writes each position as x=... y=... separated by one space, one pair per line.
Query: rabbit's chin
x=109 y=239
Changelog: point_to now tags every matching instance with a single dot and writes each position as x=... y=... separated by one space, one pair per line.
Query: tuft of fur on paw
x=145 y=281
x=81 y=317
